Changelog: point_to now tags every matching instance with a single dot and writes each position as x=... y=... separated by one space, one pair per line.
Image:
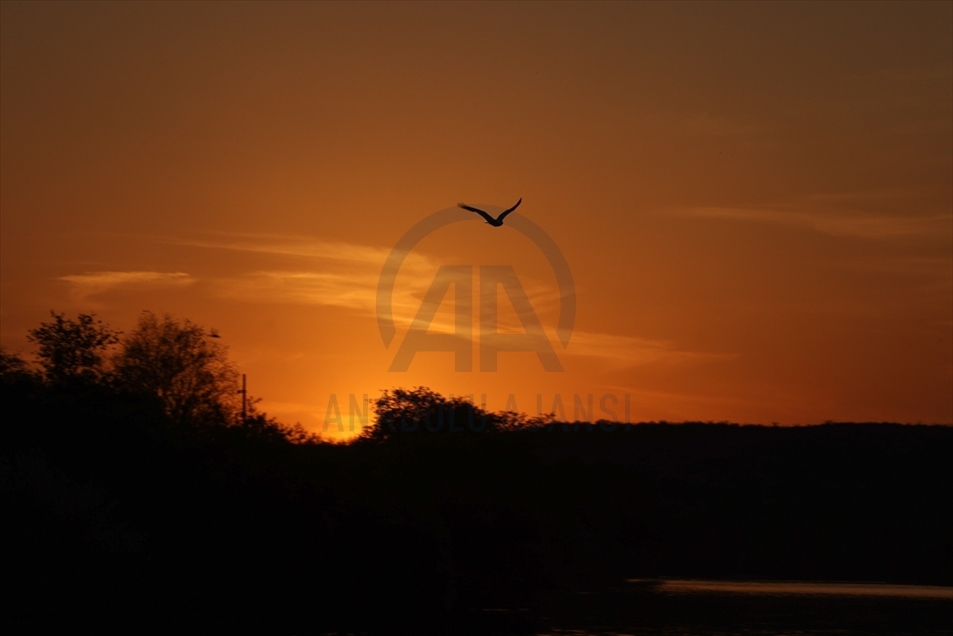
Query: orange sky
x=755 y=200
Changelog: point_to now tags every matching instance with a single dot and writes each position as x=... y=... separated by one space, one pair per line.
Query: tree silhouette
x=417 y=527
x=179 y=364
x=13 y=368
x=421 y=411
x=73 y=349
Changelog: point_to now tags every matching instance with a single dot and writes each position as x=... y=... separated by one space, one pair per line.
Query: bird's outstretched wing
x=505 y=212
x=489 y=219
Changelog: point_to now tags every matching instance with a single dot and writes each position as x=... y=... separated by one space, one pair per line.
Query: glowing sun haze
x=755 y=200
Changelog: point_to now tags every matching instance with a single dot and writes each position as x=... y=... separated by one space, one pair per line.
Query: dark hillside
x=116 y=510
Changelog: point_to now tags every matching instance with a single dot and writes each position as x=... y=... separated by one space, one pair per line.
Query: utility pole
x=244 y=393
x=213 y=333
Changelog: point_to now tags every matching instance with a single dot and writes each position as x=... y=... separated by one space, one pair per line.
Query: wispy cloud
x=337 y=275
x=346 y=275
x=319 y=272
x=282 y=245
x=872 y=214
x=92 y=283
x=628 y=351
x=835 y=225
x=301 y=287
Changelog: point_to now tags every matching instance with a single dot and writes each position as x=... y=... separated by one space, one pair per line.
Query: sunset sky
x=755 y=200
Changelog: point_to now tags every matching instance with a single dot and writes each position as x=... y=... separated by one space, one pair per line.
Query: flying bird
x=213 y=333
x=498 y=221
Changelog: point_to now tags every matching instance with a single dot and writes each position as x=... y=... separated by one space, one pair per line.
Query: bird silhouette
x=213 y=333
x=498 y=221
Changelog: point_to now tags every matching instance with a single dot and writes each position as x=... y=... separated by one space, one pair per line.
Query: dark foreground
x=114 y=515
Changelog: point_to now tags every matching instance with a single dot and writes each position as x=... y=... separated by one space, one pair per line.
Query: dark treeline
x=123 y=503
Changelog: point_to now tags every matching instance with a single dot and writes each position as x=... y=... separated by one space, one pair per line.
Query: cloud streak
x=280 y=245
x=348 y=276
x=629 y=351
x=92 y=283
x=868 y=215
x=330 y=274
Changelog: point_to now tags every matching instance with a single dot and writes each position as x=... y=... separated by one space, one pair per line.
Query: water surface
x=789 y=588
x=753 y=608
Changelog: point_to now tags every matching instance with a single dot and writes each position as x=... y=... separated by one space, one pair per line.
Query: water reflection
x=651 y=607
x=785 y=588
